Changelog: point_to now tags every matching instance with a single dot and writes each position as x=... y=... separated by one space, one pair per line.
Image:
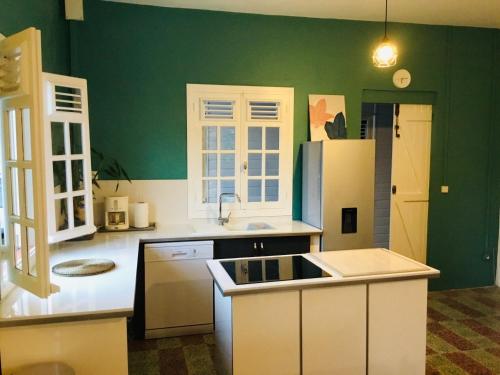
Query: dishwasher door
x=179 y=288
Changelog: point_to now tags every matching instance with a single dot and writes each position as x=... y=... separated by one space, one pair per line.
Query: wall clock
x=401 y=78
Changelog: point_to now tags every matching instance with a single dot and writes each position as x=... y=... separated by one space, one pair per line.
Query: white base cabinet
x=376 y=329
x=90 y=347
x=334 y=330
x=397 y=322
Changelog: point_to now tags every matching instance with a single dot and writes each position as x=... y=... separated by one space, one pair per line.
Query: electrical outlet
x=444 y=189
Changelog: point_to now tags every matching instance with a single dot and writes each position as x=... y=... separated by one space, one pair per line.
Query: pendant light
x=386 y=53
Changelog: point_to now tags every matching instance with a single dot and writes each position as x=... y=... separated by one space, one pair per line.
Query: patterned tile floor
x=463 y=338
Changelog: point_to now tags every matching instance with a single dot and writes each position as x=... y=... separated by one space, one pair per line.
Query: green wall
x=138 y=60
x=47 y=16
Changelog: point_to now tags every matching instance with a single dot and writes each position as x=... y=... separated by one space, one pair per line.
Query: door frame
x=407 y=97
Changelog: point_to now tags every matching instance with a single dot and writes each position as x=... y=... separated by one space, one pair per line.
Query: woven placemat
x=83 y=267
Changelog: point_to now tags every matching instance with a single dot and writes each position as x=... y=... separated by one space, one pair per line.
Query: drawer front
x=261 y=246
x=178 y=251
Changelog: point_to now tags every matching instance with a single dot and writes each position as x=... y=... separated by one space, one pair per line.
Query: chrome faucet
x=224 y=220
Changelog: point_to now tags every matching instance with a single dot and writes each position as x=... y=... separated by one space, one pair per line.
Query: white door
x=411 y=149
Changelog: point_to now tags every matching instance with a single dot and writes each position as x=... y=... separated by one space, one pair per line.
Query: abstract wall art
x=327 y=117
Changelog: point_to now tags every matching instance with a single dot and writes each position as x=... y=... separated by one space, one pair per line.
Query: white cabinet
x=370 y=328
x=258 y=333
x=266 y=333
x=397 y=327
x=334 y=330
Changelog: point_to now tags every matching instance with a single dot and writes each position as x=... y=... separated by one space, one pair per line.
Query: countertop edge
x=65 y=318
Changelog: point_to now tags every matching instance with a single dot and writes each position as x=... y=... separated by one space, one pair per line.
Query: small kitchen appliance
x=116 y=213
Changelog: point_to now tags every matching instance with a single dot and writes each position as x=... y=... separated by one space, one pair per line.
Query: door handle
x=394 y=189
x=179 y=253
x=262 y=245
x=396 y=128
x=255 y=245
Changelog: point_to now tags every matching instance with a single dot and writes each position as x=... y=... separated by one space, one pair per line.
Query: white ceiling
x=478 y=13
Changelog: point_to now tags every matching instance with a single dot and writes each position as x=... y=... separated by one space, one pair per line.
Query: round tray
x=83 y=267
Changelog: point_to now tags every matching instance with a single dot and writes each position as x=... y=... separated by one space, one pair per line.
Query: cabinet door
x=334 y=330
x=67 y=148
x=397 y=327
x=266 y=333
x=283 y=245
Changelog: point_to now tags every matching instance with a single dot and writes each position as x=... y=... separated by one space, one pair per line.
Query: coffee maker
x=116 y=213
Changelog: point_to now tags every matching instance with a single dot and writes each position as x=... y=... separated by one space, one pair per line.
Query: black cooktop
x=261 y=270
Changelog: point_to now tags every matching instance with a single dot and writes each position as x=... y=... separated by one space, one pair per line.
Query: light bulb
x=385 y=55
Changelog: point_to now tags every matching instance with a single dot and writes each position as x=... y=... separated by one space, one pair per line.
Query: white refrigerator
x=338 y=179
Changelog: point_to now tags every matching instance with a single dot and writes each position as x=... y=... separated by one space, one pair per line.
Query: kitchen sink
x=248 y=226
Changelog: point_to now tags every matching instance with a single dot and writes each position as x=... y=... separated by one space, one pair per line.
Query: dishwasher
x=178 y=288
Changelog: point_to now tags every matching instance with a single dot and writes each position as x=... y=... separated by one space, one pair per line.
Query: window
x=67 y=150
x=239 y=141
x=46 y=190
x=24 y=216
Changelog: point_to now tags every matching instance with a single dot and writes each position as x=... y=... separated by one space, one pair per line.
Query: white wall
x=167 y=198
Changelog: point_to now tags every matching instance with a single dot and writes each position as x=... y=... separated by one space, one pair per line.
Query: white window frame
x=242 y=95
x=53 y=114
x=27 y=95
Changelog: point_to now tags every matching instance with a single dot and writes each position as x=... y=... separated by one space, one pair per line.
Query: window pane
x=254 y=190
x=272 y=190
x=57 y=138
x=209 y=138
x=272 y=138
x=227 y=136
x=30 y=240
x=59 y=170
x=254 y=164
x=18 y=252
x=254 y=138
x=272 y=164
x=28 y=185
x=209 y=191
x=227 y=186
x=227 y=165
x=61 y=211
x=75 y=136
x=15 y=191
x=26 y=134
x=79 y=209
x=209 y=165
x=77 y=174
x=12 y=135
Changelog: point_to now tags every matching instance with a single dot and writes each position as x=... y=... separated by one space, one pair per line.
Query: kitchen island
x=339 y=312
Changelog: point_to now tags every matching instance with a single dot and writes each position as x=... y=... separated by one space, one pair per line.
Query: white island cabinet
x=363 y=312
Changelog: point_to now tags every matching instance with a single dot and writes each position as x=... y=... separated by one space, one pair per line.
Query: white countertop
x=345 y=267
x=112 y=293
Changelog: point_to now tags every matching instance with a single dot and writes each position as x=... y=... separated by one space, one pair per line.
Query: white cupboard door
x=411 y=149
x=255 y=350
x=334 y=330
x=397 y=327
x=23 y=167
x=67 y=149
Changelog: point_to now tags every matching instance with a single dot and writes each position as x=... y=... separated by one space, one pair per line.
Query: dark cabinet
x=260 y=246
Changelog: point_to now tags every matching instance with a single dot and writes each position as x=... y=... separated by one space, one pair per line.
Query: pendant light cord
x=385 y=22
